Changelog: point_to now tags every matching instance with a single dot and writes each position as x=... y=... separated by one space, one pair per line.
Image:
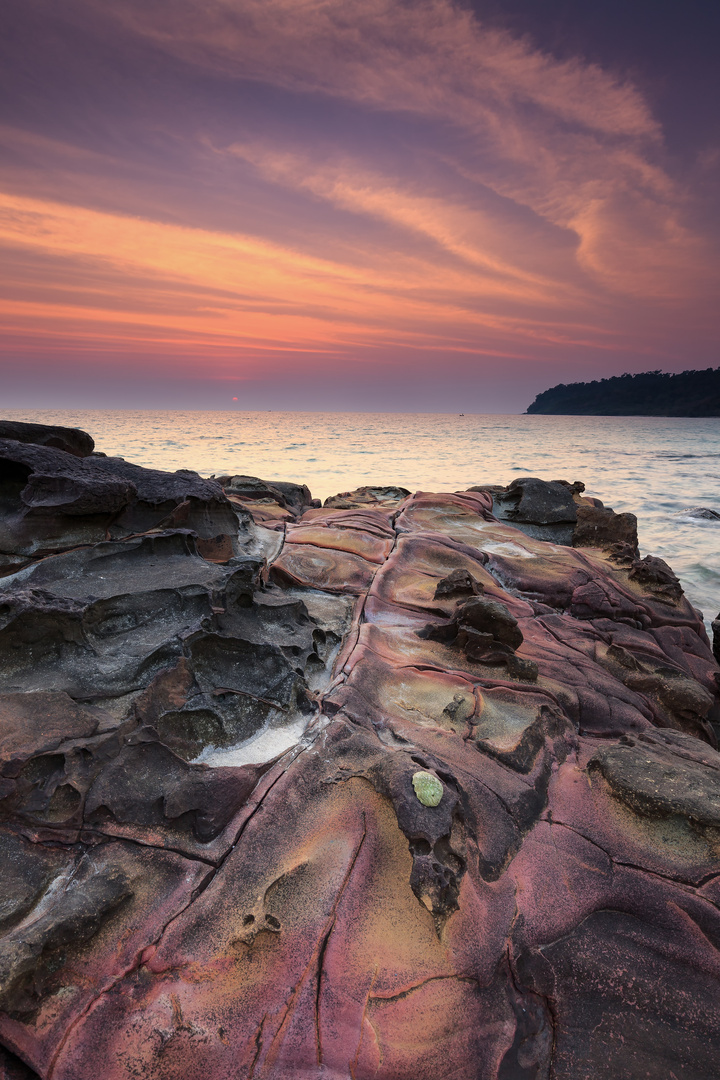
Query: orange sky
x=334 y=203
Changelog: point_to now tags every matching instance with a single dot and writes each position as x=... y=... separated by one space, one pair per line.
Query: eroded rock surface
x=271 y=503
x=559 y=512
x=52 y=501
x=71 y=440
x=386 y=788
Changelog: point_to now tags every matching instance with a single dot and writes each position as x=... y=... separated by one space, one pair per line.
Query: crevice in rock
x=408 y=990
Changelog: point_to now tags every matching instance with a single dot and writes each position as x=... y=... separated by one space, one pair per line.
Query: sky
x=379 y=205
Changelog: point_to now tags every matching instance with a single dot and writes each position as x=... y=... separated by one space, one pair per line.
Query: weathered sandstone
x=387 y=788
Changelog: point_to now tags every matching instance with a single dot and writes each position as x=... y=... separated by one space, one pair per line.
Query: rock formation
x=71 y=440
x=387 y=788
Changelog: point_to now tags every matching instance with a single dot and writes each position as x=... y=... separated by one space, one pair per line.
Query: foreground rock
x=53 y=501
x=385 y=790
x=71 y=440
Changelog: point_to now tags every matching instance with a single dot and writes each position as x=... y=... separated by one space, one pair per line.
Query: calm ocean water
x=655 y=467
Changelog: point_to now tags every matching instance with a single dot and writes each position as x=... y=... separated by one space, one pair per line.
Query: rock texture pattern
x=71 y=440
x=386 y=789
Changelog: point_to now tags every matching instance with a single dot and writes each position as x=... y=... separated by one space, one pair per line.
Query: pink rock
x=288 y=906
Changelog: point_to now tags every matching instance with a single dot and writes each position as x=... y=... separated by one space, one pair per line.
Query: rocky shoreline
x=401 y=786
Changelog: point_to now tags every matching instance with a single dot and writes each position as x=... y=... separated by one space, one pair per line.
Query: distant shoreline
x=648 y=393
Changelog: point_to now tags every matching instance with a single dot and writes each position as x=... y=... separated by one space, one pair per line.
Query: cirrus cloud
x=345 y=178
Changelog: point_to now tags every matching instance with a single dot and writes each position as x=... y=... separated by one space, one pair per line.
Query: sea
x=662 y=469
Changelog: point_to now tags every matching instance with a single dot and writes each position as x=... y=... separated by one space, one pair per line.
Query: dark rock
x=26 y=953
x=250 y=487
x=147 y=784
x=486 y=631
x=52 y=501
x=297 y=496
x=699 y=513
x=39 y=722
x=28 y=870
x=601 y=527
x=61 y=959
x=169 y=500
x=39 y=485
x=187 y=721
x=557 y=511
x=519 y=668
x=590 y=990
x=679 y=702
x=137 y=565
x=102 y=647
x=546 y=509
x=538 y=502
x=71 y=440
x=75 y=496
x=458 y=584
x=488 y=617
x=232 y=664
x=12 y=1068
x=654 y=781
x=655 y=575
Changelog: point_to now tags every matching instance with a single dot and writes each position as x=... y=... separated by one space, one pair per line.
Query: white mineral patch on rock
x=263 y=543
x=265 y=746
x=507 y=548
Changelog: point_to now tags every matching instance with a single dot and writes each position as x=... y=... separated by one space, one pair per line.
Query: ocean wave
x=675 y=455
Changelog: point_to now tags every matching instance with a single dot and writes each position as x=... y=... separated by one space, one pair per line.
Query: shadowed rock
x=528 y=500
x=484 y=629
x=12 y=1068
x=71 y=440
x=392 y=790
x=27 y=951
x=557 y=511
x=656 y=575
x=600 y=527
x=51 y=501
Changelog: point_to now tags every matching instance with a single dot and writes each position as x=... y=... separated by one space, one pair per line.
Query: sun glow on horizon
x=448 y=200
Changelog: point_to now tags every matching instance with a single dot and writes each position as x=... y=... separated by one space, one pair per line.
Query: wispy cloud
x=428 y=56
x=347 y=178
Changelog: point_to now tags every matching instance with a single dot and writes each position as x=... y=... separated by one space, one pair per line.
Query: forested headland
x=648 y=393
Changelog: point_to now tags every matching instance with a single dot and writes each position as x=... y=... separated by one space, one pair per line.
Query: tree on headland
x=647 y=393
